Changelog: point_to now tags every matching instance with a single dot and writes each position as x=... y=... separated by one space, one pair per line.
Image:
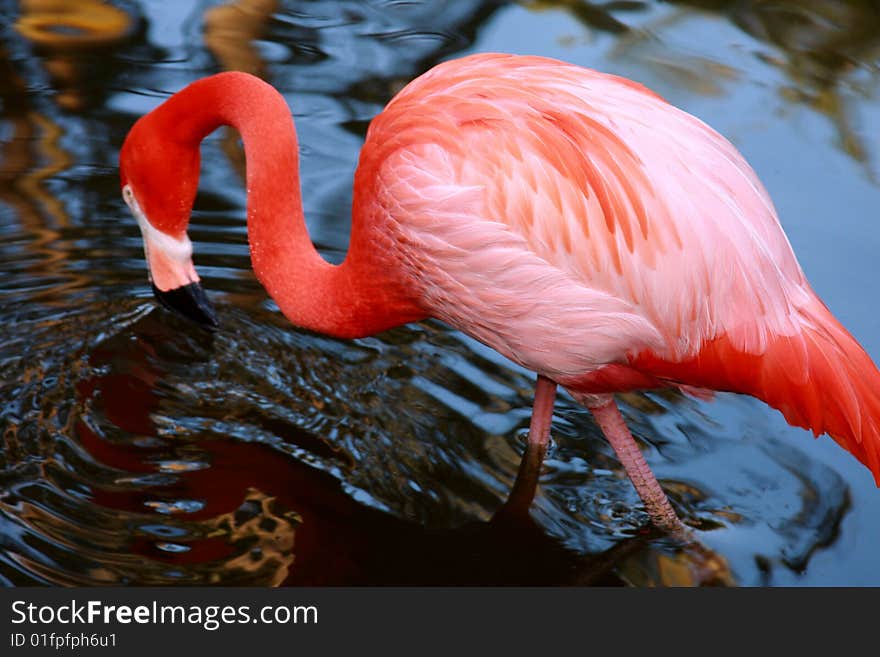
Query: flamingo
x=572 y=220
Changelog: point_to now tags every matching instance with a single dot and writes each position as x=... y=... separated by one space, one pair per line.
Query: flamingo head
x=159 y=179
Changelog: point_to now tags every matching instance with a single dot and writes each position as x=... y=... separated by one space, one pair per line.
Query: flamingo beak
x=191 y=302
x=176 y=284
x=174 y=278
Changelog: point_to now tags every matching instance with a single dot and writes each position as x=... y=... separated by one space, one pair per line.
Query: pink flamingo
x=573 y=221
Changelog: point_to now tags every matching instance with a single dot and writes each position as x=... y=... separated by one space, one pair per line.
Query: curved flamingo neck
x=357 y=298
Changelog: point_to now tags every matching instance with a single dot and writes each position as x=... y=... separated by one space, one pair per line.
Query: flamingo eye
x=128 y=196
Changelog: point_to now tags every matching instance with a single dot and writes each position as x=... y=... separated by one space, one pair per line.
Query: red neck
x=359 y=297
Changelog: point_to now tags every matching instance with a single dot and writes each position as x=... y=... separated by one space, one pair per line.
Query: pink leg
x=542 y=412
x=523 y=491
x=657 y=505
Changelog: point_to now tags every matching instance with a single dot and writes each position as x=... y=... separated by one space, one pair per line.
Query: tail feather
x=841 y=393
x=820 y=379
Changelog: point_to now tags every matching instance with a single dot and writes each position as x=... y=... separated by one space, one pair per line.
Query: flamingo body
x=594 y=215
x=574 y=221
x=592 y=232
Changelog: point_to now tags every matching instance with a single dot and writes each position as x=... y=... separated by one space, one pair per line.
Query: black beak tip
x=191 y=302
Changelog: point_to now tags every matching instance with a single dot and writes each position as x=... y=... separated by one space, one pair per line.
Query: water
x=138 y=449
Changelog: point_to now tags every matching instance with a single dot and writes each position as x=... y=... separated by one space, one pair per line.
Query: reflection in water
x=73 y=38
x=30 y=154
x=231 y=29
x=826 y=43
x=234 y=512
x=598 y=16
x=167 y=469
x=135 y=450
x=824 y=48
x=229 y=32
x=40 y=147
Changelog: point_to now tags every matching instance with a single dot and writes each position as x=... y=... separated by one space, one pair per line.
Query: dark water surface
x=137 y=449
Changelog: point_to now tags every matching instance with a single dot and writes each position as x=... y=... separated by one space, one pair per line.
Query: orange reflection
x=63 y=30
x=229 y=32
x=230 y=29
x=29 y=156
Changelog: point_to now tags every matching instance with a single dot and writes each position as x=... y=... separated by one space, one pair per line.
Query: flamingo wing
x=604 y=181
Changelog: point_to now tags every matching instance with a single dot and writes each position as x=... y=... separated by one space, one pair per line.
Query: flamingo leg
x=542 y=413
x=657 y=505
x=523 y=491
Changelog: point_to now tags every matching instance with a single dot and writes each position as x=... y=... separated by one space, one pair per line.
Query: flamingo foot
x=657 y=505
